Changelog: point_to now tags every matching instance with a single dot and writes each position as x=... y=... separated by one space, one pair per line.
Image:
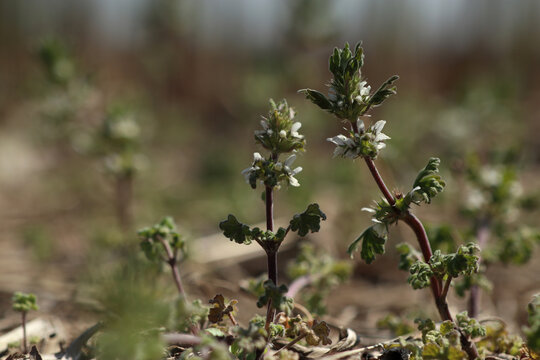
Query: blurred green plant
x=24 y=303
x=532 y=332
x=314 y=274
x=162 y=243
x=494 y=207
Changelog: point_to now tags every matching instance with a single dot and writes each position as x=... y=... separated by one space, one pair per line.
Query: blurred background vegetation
x=116 y=113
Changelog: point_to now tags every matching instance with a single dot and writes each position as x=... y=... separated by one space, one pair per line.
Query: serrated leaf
x=235 y=230
x=308 y=221
x=373 y=240
x=420 y=275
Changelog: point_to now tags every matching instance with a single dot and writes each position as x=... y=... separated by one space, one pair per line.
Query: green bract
x=349 y=97
x=428 y=183
x=24 y=302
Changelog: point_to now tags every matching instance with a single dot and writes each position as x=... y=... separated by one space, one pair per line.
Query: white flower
x=293 y=181
x=476 y=199
x=294 y=130
x=345 y=146
x=378 y=126
x=364 y=90
x=379 y=139
x=360 y=125
x=283 y=134
x=257 y=157
x=491 y=176
x=288 y=162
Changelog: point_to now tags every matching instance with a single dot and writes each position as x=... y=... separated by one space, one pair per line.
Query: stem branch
x=171 y=260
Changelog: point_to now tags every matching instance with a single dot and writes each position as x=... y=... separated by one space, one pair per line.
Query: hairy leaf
x=235 y=230
x=373 y=240
x=308 y=221
x=420 y=274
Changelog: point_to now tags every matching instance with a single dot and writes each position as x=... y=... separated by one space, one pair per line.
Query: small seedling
x=161 y=242
x=24 y=303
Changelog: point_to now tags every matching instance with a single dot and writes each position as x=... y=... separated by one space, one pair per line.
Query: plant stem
x=416 y=225
x=23 y=320
x=291 y=344
x=171 y=260
x=271 y=254
x=298 y=284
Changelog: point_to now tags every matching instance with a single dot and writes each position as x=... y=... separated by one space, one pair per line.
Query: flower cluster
x=365 y=143
x=271 y=173
x=279 y=132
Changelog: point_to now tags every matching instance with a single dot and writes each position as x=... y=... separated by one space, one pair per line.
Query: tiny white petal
x=297 y=170
x=378 y=126
x=293 y=181
x=257 y=157
x=282 y=134
x=290 y=160
x=297 y=125
x=264 y=124
x=369 y=210
x=269 y=132
x=360 y=125
x=278 y=166
x=381 y=137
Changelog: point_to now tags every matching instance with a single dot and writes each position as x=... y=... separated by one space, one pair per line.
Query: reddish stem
x=414 y=223
x=171 y=260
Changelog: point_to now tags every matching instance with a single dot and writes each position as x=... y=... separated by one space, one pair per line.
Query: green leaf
x=470 y=327
x=384 y=91
x=463 y=261
x=317 y=98
x=235 y=230
x=428 y=183
x=373 y=240
x=276 y=294
x=308 y=221
x=420 y=275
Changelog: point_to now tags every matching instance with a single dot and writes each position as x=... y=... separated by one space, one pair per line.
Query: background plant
x=24 y=303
